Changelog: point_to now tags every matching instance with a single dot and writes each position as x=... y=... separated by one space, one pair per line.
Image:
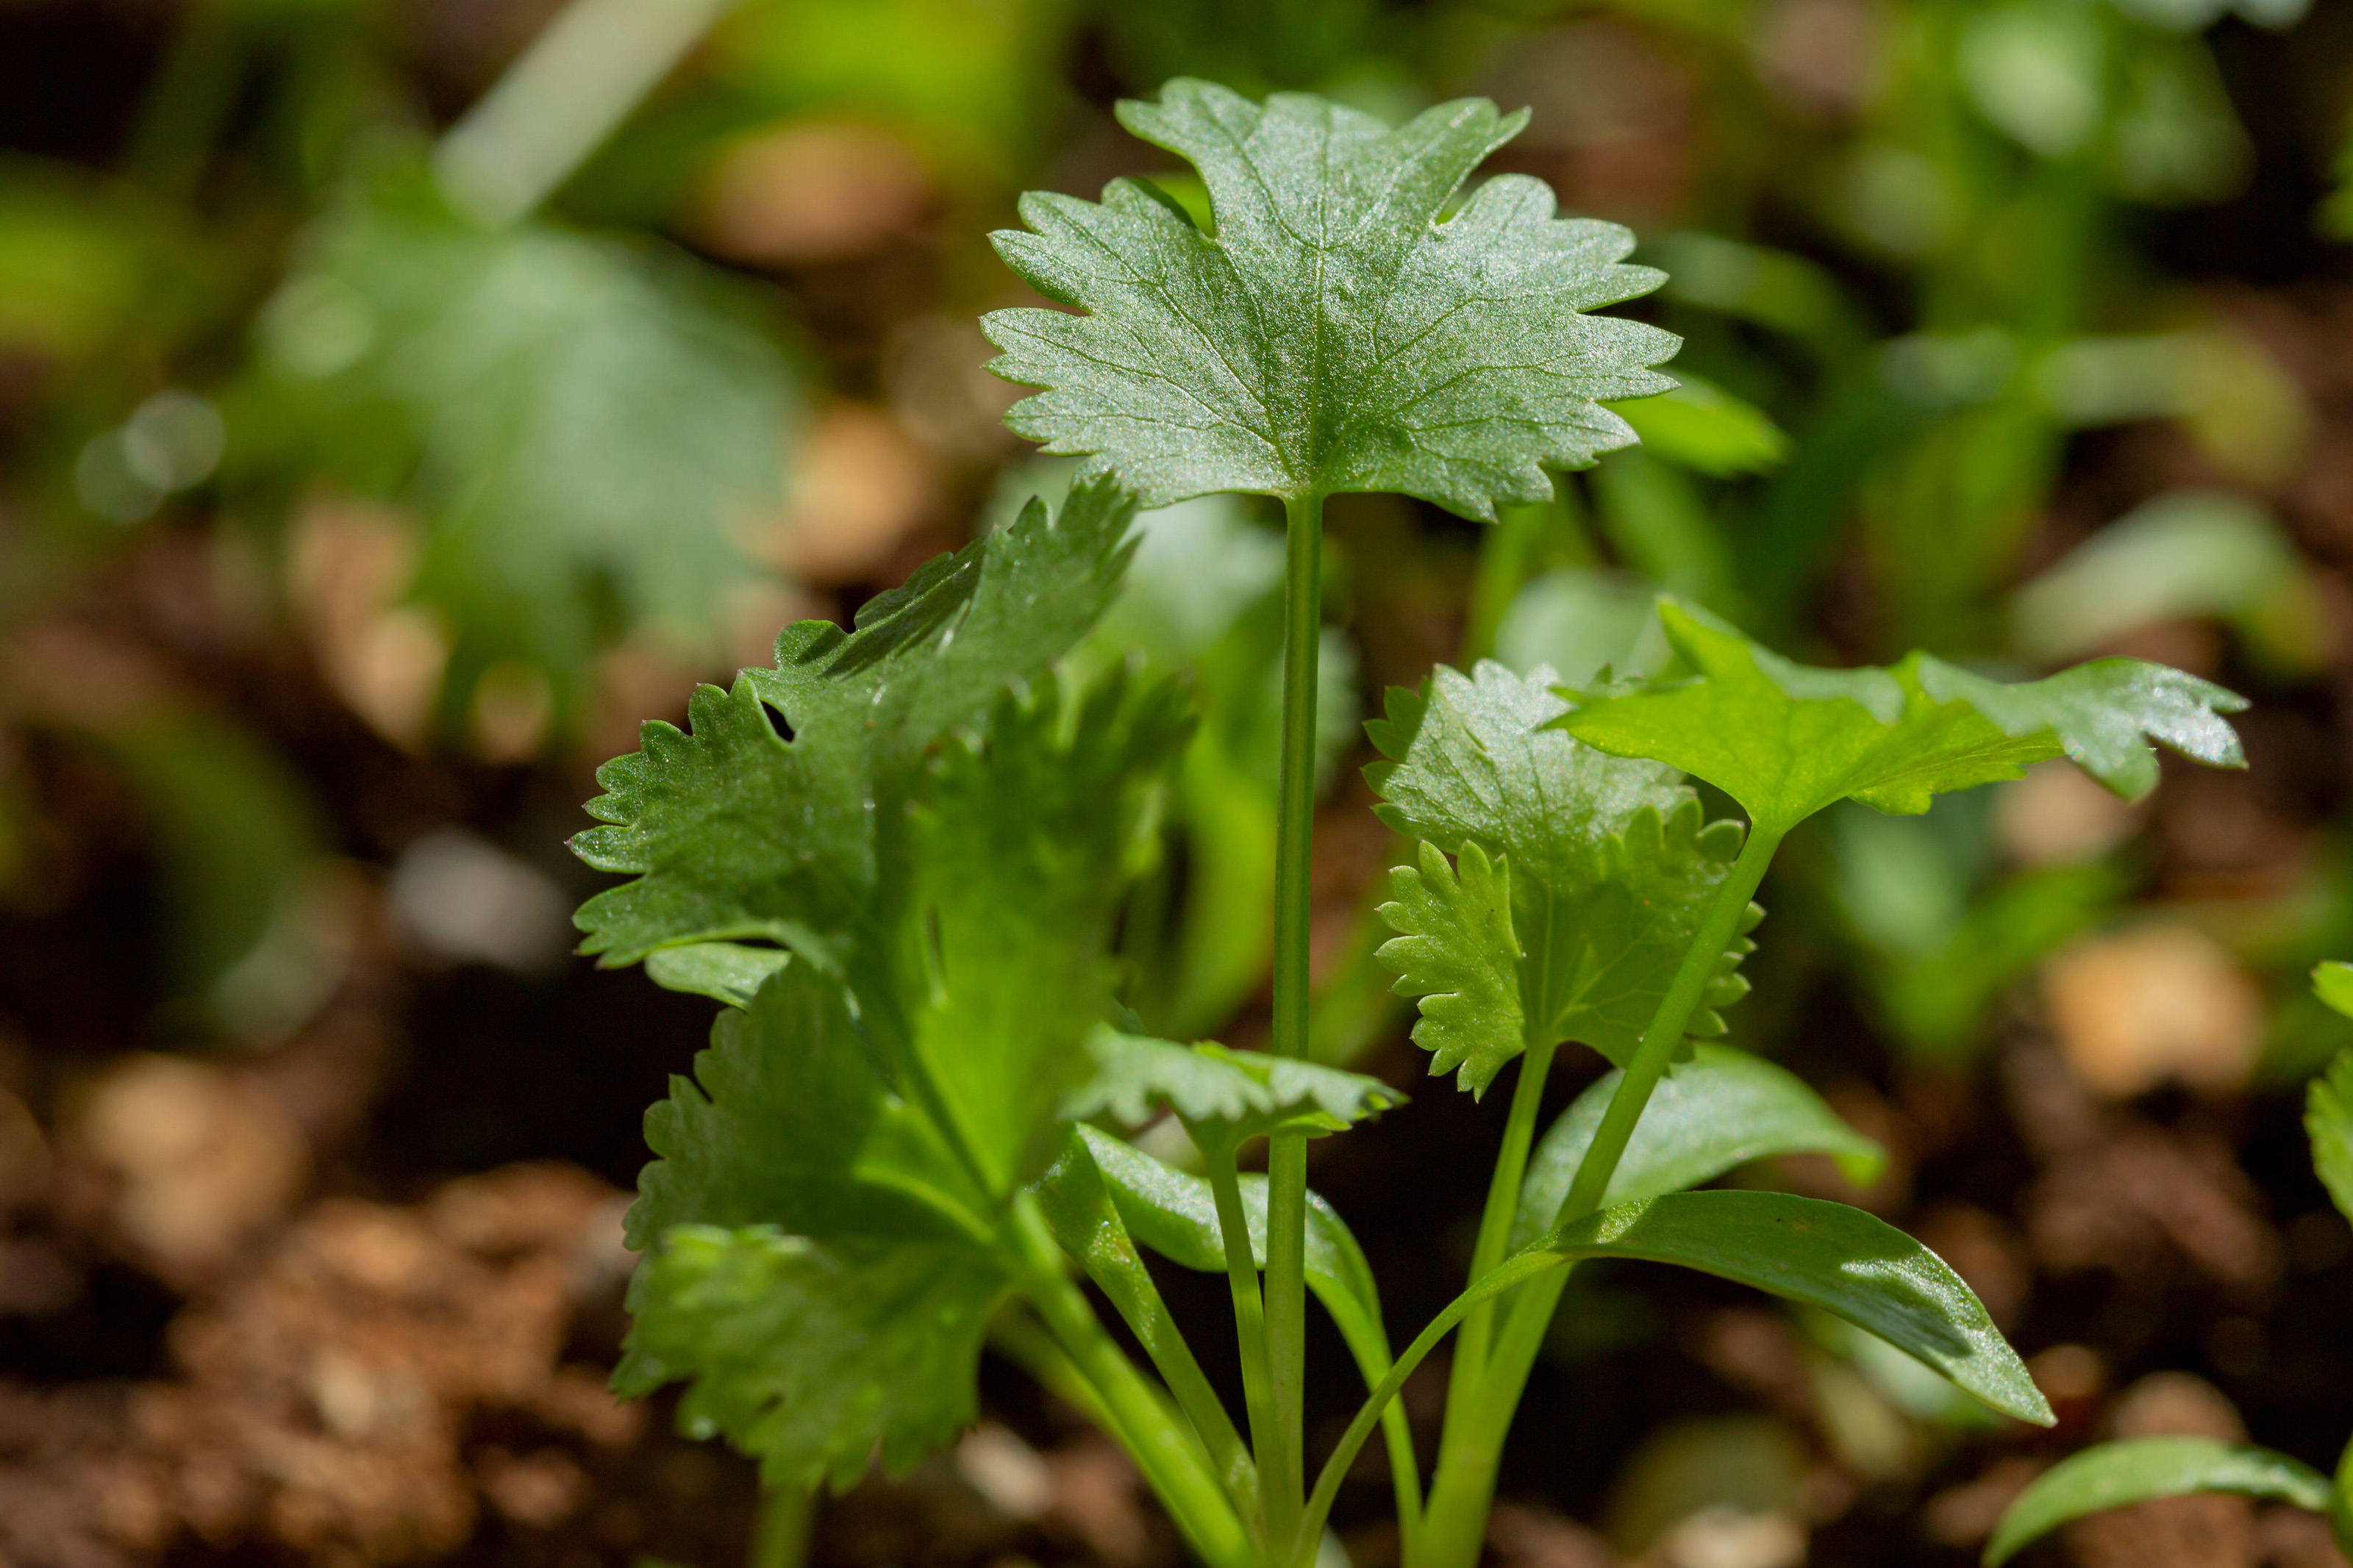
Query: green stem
x=1286 y=1160
x=1170 y=1457
x=1454 y=1525
x=1496 y=1221
x=1278 y=1484
x=780 y=1536
x=195 y=88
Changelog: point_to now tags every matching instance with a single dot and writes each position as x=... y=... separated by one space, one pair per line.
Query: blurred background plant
x=400 y=400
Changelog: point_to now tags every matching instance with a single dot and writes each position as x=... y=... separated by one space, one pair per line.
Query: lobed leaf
x=729 y=972
x=1338 y=331
x=1225 y=1096
x=812 y=1355
x=1827 y=1254
x=1612 y=868
x=2329 y=1122
x=732 y=831
x=2117 y=1474
x=1455 y=950
x=2332 y=982
x=1786 y=740
x=1721 y=1108
x=1000 y=965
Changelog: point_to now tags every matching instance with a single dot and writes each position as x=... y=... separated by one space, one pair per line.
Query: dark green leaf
x=734 y=832
x=809 y=1354
x=1724 y=1108
x=1456 y=952
x=2116 y=1474
x=1827 y=1254
x=1786 y=740
x=1001 y=955
x=1336 y=333
x=1611 y=868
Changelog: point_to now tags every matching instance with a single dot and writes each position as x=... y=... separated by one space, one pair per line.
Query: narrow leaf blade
x=2117 y=1474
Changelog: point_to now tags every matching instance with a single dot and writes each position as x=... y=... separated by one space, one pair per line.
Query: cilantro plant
x=898 y=853
x=2114 y=1475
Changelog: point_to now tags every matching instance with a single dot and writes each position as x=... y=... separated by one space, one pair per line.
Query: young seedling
x=897 y=855
x=2116 y=1474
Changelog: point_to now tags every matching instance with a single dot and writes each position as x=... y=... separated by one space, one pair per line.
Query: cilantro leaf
x=1336 y=332
x=812 y=1355
x=2329 y=1122
x=1786 y=740
x=1455 y=950
x=784 y=1121
x=732 y=831
x=1000 y=960
x=1225 y=1096
x=1612 y=867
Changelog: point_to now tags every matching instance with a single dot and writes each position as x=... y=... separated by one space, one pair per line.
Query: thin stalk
x=1454 y=1525
x=780 y=1535
x=1286 y=1160
x=1020 y=1339
x=1495 y=1220
x=1170 y=1457
x=1277 y=1485
x=195 y=88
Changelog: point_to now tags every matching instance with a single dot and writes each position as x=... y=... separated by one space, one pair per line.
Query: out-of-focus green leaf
x=587 y=425
x=1581 y=622
x=1700 y=425
x=1724 y=1108
x=2186 y=554
x=2332 y=982
x=2117 y=1474
x=78 y=262
x=2329 y=1122
x=1391 y=351
x=1661 y=526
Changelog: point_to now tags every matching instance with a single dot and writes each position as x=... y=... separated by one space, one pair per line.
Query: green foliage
x=1223 y=1096
x=733 y=831
x=1332 y=333
x=583 y=424
x=1455 y=950
x=1611 y=868
x=1826 y=1255
x=2329 y=1122
x=1786 y=740
x=743 y=1311
x=2117 y=1474
x=1721 y=1108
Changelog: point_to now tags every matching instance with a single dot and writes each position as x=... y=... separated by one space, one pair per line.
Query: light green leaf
x=2117 y=1474
x=732 y=831
x=786 y=1122
x=1337 y=331
x=1826 y=1255
x=1786 y=740
x=1223 y=1095
x=1176 y=1214
x=1700 y=425
x=583 y=424
x=2329 y=1122
x=2332 y=982
x=1611 y=868
x=1724 y=1108
x=1078 y=1205
x=727 y=972
x=1455 y=950
x=1000 y=963
x=812 y=1355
